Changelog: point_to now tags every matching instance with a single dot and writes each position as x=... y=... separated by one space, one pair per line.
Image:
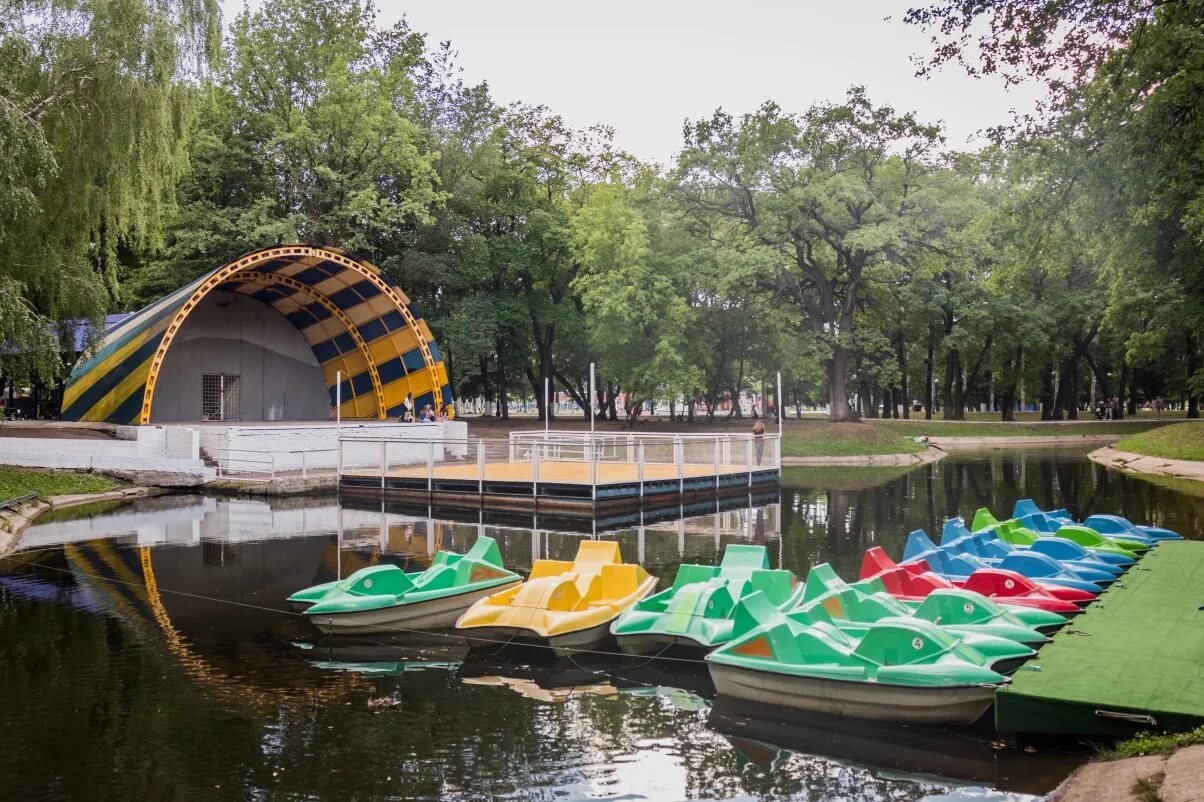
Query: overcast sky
x=644 y=66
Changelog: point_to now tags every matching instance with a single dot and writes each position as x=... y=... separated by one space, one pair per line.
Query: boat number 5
x=1009 y=584
x=916 y=643
x=969 y=608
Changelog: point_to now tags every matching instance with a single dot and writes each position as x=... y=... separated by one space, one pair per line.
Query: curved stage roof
x=354 y=318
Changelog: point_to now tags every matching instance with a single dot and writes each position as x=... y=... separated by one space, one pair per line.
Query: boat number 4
x=916 y=643
x=1009 y=584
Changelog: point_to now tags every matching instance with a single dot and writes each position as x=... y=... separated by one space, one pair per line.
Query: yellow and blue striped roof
x=353 y=317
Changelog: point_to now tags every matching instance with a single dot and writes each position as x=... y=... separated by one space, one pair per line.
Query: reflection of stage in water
x=967 y=754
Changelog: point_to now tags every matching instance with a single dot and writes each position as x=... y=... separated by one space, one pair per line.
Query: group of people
x=428 y=414
x=1109 y=409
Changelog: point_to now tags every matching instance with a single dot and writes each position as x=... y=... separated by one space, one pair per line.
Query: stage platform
x=1134 y=660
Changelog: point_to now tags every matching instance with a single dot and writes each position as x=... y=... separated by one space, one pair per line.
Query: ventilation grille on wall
x=221 y=396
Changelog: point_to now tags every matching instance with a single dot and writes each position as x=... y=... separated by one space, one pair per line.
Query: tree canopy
x=845 y=245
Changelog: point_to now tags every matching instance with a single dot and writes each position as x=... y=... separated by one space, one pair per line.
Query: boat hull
x=865 y=700
x=438 y=613
x=652 y=642
x=562 y=645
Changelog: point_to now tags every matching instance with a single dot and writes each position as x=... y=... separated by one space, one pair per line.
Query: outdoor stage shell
x=351 y=317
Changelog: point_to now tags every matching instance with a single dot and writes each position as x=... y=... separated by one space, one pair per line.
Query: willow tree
x=96 y=99
x=832 y=200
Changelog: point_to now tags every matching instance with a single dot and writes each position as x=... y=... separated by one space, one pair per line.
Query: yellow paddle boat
x=568 y=606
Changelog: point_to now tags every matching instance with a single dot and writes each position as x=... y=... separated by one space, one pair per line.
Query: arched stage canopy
x=353 y=318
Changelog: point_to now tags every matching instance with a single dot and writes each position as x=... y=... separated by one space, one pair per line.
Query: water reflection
x=147 y=651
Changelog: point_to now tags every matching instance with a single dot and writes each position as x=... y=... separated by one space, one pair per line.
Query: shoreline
x=866 y=460
x=14 y=522
x=1172 y=778
x=1148 y=465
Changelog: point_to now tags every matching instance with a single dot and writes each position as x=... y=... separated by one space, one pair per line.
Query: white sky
x=644 y=66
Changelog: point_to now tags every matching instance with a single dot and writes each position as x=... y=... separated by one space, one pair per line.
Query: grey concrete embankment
x=1155 y=466
x=1033 y=440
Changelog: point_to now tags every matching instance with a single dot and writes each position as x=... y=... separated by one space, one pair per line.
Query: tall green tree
x=96 y=99
x=835 y=199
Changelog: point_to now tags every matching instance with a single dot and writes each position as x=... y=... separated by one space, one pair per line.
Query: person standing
x=759 y=439
x=408 y=415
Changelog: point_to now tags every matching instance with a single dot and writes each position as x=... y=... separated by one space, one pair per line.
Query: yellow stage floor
x=560 y=471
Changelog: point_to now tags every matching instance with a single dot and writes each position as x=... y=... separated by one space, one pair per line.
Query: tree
x=306 y=138
x=833 y=202
x=96 y=99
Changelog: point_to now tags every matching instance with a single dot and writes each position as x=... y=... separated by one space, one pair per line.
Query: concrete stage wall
x=234 y=334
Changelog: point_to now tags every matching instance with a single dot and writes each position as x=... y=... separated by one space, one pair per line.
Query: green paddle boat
x=1005 y=642
x=696 y=613
x=1016 y=533
x=384 y=598
x=899 y=669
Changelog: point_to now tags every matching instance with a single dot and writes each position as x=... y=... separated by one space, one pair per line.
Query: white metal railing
x=571 y=457
x=258 y=465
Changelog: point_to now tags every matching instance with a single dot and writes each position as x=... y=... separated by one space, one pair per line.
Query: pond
x=146 y=652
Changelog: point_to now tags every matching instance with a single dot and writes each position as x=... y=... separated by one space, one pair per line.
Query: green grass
x=1170 y=415
x=19 y=481
x=1152 y=743
x=1180 y=441
x=997 y=428
x=844 y=440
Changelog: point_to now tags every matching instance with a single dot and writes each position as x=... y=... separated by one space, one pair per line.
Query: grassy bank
x=997 y=428
x=845 y=440
x=1152 y=743
x=19 y=481
x=1180 y=441
x=817 y=437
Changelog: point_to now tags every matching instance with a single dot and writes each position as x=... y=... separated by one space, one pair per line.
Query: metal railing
x=12 y=503
x=258 y=465
x=560 y=457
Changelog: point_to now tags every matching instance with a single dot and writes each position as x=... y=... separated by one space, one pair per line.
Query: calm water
x=145 y=653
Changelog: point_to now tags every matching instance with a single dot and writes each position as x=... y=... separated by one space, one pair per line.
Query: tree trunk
x=503 y=400
x=953 y=388
x=1122 y=389
x=1047 y=391
x=838 y=398
x=1007 y=403
x=901 y=356
x=1193 y=399
x=928 y=373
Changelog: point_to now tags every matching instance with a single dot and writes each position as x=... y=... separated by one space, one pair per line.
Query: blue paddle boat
x=989 y=545
x=1112 y=526
x=959 y=565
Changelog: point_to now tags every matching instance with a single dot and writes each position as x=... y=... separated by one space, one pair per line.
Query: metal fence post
x=535 y=468
x=480 y=467
x=384 y=462
x=338 y=470
x=430 y=465
x=640 y=465
x=749 y=442
x=304 y=466
x=716 y=463
x=679 y=456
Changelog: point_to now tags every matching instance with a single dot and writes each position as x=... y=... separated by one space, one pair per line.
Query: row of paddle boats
x=925 y=640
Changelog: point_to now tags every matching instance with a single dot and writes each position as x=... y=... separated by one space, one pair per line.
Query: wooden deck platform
x=555 y=484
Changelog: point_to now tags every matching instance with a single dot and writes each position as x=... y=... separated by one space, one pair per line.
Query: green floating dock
x=1134 y=660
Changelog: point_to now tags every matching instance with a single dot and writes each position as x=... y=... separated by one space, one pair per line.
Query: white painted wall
x=313 y=446
x=136 y=448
